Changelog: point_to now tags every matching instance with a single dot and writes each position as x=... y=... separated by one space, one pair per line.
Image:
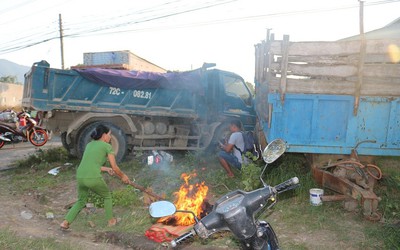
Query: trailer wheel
x=118 y=140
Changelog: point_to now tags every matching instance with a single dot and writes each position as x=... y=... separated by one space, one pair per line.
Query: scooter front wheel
x=38 y=137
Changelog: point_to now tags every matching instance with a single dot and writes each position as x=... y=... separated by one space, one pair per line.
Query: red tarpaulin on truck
x=189 y=80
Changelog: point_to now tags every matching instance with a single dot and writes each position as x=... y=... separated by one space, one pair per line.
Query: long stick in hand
x=143 y=189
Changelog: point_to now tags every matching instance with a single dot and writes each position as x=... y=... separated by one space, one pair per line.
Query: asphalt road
x=11 y=153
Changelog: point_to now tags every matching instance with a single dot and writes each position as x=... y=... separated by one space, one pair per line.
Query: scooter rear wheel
x=38 y=137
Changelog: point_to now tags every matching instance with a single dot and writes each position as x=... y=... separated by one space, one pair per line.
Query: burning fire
x=190 y=198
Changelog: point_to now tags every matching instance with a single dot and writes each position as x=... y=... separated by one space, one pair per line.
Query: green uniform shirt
x=94 y=157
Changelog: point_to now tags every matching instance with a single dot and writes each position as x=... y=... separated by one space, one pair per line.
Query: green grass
x=9 y=240
x=292 y=213
x=298 y=213
x=31 y=174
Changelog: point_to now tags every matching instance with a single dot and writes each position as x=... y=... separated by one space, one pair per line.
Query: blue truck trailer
x=145 y=111
x=336 y=102
x=330 y=97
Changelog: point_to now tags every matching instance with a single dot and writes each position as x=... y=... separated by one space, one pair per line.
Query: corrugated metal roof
x=389 y=31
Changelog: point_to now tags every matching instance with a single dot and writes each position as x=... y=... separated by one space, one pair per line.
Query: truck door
x=237 y=101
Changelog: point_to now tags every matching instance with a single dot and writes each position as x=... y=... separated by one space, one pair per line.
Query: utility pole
x=61 y=41
x=361 y=60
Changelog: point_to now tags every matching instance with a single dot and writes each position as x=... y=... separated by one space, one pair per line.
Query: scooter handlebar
x=182 y=238
x=287 y=185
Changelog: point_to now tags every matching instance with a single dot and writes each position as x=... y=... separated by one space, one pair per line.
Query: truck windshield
x=236 y=87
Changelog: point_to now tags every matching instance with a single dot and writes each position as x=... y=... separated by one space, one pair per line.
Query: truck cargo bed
x=51 y=89
x=329 y=97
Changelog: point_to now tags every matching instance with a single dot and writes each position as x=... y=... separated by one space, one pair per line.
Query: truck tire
x=71 y=151
x=221 y=134
x=118 y=140
x=63 y=137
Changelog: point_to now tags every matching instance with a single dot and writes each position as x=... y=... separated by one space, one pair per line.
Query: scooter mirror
x=274 y=149
x=161 y=208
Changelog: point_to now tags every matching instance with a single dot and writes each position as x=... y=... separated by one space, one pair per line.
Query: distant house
x=389 y=31
x=10 y=94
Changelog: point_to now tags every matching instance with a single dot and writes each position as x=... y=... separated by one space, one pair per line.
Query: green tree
x=8 y=79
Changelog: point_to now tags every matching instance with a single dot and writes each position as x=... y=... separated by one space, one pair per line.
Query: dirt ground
x=26 y=215
x=15 y=208
x=16 y=211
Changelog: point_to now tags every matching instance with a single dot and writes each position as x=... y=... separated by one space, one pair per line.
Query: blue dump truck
x=320 y=97
x=145 y=111
x=330 y=97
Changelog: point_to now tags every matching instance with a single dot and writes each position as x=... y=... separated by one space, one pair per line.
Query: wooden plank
x=333 y=68
x=360 y=80
x=370 y=70
x=284 y=65
x=258 y=62
x=371 y=87
x=314 y=86
x=328 y=71
x=337 y=60
x=102 y=66
x=334 y=48
x=382 y=70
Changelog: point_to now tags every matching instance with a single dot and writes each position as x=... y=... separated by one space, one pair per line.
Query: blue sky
x=177 y=34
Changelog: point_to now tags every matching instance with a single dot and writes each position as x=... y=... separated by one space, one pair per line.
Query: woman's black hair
x=99 y=131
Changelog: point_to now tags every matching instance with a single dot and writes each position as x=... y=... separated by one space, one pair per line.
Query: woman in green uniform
x=89 y=177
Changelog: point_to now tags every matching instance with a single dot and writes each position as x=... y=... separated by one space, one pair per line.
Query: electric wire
x=148 y=19
x=4 y=50
x=146 y=15
x=226 y=20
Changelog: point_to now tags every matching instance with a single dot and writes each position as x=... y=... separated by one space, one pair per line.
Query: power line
x=28 y=2
x=15 y=6
x=213 y=4
x=110 y=28
x=148 y=19
x=226 y=20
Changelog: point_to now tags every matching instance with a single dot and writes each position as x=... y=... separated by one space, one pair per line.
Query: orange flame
x=190 y=198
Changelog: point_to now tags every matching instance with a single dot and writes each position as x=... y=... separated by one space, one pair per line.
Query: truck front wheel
x=221 y=134
x=118 y=140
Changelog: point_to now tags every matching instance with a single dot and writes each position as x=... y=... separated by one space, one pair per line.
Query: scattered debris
x=54 y=171
x=90 y=208
x=166 y=157
x=351 y=180
x=159 y=157
x=162 y=233
x=27 y=215
x=49 y=215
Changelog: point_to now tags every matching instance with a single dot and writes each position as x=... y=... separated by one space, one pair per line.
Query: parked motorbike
x=27 y=130
x=236 y=211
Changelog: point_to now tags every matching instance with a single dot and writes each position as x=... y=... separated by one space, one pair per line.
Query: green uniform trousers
x=97 y=185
